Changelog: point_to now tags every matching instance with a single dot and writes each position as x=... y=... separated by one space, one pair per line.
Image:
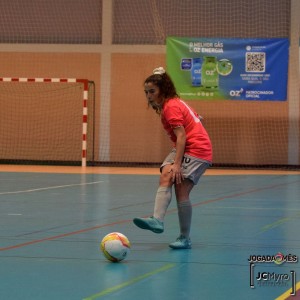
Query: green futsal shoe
x=181 y=243
x=151 y=223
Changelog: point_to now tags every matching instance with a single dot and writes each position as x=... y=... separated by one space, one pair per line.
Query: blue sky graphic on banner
x=235 y=69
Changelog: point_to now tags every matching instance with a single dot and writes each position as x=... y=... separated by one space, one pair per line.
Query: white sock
x=185 y=217
x=162 y=202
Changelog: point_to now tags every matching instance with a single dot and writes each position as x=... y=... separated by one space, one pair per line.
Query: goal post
x=42 y=117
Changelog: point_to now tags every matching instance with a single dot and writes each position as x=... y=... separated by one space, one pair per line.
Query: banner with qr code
x=229 y=69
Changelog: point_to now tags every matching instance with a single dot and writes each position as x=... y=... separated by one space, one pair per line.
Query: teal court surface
x=245 y=234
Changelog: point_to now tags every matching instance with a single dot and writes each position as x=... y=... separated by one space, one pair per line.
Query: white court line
x=49 y=188
x=254 y=208
x=14 y=214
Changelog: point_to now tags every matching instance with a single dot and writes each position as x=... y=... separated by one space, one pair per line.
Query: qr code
x=255 y=62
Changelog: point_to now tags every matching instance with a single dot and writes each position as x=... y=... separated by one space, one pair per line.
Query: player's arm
x=180 y=147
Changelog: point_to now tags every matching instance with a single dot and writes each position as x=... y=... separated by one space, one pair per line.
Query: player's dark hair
x=166 y=87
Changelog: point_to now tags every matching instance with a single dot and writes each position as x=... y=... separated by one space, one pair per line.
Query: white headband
x=159 y=71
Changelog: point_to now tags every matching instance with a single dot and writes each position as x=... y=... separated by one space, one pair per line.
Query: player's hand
x=177 y=176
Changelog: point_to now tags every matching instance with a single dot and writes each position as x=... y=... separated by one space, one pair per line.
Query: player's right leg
x=162 y=202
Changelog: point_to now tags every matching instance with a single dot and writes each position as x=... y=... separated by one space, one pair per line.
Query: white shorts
x=192 y=167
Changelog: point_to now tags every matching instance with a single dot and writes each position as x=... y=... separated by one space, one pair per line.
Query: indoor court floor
x=245 y=234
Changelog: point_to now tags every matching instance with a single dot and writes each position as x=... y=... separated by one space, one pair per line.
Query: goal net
x=45 y=120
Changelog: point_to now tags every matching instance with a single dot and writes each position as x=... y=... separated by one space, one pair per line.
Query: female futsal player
x=183 y=167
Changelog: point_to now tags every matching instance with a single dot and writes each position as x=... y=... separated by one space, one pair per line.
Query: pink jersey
x=176 y=112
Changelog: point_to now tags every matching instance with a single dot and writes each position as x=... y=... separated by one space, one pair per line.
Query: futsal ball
x=115 y=246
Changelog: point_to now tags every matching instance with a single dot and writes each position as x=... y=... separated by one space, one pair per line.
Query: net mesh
x=133 y=35
x=150 y=22
x=51 y=22
x=256 y=134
